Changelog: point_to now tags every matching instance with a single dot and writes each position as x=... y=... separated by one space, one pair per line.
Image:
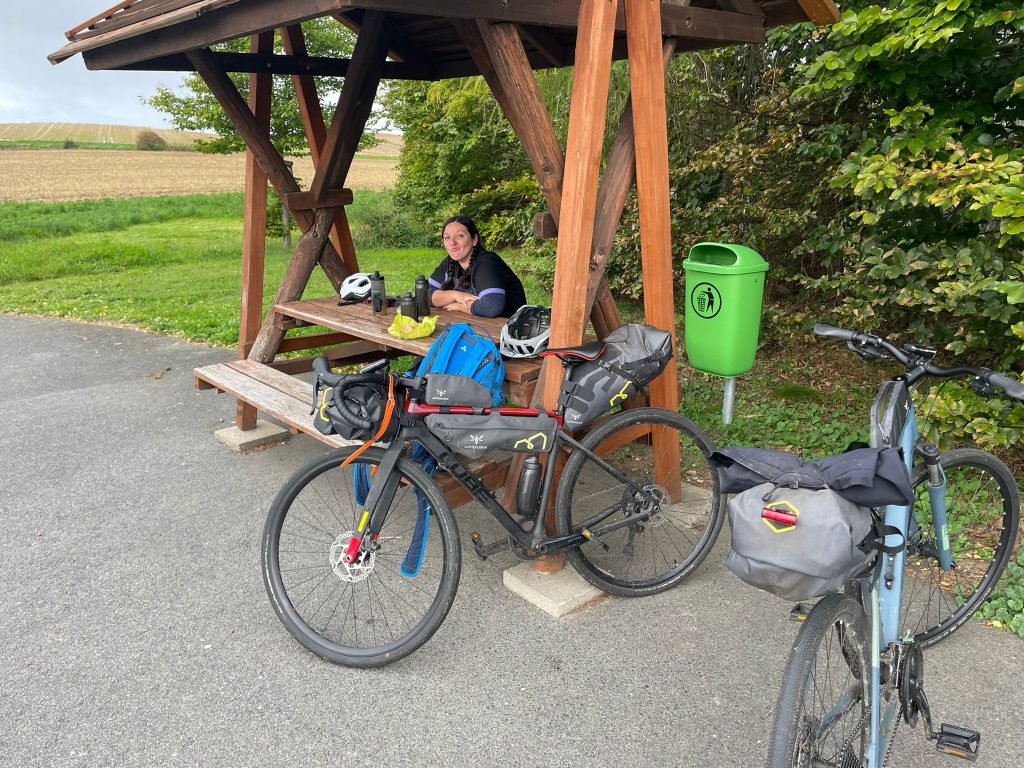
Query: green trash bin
x=724 y=289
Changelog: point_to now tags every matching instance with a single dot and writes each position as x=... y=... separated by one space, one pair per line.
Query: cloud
x=33 y=90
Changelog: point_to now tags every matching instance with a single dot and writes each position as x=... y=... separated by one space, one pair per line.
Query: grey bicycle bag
x=633 y=355
x=802 y=529
x=475 y=435
x=447 y=389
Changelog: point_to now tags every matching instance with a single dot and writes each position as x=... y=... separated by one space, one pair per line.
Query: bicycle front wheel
x=649 y=532
x=822 y=717
x=371 y=613
x=982 y=507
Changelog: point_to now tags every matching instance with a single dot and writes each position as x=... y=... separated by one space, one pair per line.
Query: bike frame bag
x=475 y=435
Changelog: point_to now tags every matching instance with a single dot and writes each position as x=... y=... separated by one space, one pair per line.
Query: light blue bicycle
x=856 y=668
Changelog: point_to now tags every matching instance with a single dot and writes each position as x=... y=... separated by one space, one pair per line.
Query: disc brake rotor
x=350 y=572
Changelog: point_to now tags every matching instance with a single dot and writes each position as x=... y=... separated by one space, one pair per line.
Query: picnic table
x=273 y=389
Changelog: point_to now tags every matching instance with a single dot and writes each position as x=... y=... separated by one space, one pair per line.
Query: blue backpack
x=458 y=350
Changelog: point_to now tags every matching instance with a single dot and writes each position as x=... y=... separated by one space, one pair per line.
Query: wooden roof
x=154 y=34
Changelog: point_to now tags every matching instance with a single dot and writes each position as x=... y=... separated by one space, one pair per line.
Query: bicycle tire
x=648 y=556
x=828 y=666
x=371 y=615
x=983 y=507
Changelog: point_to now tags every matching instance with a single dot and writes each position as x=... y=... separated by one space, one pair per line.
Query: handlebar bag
x=368 y=401
x=475 y=435
x=633 y=356
x=798 y=543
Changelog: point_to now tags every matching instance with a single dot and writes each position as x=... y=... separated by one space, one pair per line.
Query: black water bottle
x=422 y=296
x=407 y=306
x=528 y=492
x=378 y=299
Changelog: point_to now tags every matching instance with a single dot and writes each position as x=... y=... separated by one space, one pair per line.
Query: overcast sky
x=34 y=90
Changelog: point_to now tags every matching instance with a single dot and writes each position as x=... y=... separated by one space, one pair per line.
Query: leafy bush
x=149 y=141
x=70 y=144
x=383 y=224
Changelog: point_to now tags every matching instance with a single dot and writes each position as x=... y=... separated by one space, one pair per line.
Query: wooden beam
x=749 y=7
x=647 y=83
x=316 y=133
x=498 y=53
x=304 y=201
x=254 y=227
x=544 y=42
x=820 y=11
x=354 y=105
x=586 y=134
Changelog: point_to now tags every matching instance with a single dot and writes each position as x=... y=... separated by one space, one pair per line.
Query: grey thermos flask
x=378 y=299
x=407 y=306
x=422 y=296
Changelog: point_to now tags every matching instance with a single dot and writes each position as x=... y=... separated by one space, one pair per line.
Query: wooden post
x=254 y=227
x=647 y=82
x=587 y=107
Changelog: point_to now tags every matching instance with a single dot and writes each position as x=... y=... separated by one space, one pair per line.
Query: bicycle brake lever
x=867 y=353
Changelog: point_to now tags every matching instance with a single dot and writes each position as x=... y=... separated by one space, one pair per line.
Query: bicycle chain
x=892 y=733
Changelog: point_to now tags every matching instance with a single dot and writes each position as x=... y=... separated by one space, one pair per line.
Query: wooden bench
x=290 y=400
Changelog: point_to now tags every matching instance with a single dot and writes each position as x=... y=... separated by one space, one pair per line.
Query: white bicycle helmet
x=526 y=333
x=355 y=287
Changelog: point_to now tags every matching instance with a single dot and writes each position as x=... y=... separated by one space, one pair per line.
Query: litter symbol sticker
x=705 y=300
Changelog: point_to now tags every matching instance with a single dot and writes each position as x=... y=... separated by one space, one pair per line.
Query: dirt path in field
x=50 y=175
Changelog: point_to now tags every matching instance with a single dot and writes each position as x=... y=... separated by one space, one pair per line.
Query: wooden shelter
x=502 y=40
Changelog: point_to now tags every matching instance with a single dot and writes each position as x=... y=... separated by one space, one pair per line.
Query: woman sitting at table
x=472 y=279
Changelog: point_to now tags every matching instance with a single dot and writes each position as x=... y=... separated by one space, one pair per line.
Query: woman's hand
x=462 y=302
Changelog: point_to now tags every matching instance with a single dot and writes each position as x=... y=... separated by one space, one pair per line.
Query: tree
x=194 y=108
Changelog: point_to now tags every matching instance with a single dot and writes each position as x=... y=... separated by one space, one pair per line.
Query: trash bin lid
x=724 y=259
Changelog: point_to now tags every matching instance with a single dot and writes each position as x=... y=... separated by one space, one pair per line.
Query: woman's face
x=459 y=243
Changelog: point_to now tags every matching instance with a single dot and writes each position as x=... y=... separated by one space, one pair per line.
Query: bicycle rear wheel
x=822 y=716
x=673 y=522
x=369 y=614
x=983 y=507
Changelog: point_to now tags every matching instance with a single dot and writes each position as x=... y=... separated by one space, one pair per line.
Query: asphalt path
x=136 y=630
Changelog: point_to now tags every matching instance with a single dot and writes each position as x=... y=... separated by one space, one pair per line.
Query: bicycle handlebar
x=343 y=381
x=918 y=361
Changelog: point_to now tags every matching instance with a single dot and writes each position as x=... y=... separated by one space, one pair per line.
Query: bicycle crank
x=910 y=670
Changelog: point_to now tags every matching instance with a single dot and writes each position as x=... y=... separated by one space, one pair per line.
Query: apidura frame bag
x=475 y=435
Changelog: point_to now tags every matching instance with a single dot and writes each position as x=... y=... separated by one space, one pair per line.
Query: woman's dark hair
x=468 y=223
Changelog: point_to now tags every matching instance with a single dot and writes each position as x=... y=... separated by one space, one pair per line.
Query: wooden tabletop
x=358 y=320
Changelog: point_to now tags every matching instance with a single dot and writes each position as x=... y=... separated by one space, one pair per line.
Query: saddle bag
x=633 y=356
x=802 y=529
x=475 y=435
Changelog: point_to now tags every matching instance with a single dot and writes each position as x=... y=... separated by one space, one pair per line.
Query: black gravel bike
x=361 y=554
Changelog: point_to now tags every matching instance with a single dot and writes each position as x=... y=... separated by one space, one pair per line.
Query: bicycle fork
x=378 y=502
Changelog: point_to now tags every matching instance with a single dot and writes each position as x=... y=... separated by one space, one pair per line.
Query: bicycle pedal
x=958 y=742
x=799 y=612
x=484 y=550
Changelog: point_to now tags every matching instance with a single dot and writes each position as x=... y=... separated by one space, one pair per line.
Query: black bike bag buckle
x=958 y=742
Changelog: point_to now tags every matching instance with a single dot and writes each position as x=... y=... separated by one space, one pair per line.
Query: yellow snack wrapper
x=403 y=327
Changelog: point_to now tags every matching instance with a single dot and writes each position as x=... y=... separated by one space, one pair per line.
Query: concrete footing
x=556 y=594
x=243 y=441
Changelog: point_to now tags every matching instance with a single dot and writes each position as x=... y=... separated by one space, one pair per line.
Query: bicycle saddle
x=588 y=352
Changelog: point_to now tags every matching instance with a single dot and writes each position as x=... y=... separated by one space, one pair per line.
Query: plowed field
x=50 y=175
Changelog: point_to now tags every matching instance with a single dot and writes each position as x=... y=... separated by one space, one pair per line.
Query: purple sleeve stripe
x=489 y=291
x=433 y=282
